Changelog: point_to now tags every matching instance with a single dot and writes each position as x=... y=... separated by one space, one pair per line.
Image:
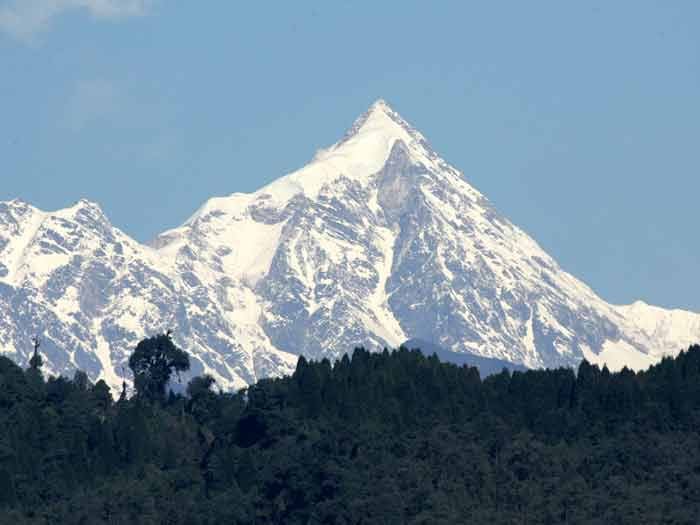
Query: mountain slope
x=92 y=292
x=376 y=241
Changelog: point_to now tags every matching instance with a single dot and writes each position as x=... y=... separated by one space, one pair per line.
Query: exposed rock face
x=376 y=241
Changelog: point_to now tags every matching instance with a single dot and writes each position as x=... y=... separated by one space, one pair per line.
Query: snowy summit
x=376 y=241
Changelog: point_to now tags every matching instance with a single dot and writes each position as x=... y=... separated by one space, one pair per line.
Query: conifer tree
x=36 y=362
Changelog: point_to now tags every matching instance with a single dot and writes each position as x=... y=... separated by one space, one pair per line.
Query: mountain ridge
x=376 y=241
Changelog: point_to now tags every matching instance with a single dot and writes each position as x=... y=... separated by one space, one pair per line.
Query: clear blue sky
x=580 y=121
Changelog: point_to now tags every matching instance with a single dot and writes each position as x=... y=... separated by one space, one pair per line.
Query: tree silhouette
x=36 y=361
x=153 y=362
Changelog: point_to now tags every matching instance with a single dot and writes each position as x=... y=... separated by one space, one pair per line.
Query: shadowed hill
x=487 y=366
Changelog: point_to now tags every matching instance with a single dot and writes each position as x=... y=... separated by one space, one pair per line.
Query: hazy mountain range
x=376 y=241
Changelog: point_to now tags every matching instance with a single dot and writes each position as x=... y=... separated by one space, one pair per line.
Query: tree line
x=389 y=437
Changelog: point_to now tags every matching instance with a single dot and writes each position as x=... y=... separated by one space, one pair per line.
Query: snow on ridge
x=360 y=154
x=387 y=326
x=25 y=220
x=670 y=330
x=617 y=355
x=376 y=241
x=498 y=245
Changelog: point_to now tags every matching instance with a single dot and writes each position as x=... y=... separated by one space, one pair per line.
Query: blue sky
x=579 y=121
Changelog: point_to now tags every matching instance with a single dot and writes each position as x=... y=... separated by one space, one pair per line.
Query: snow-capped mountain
x=376 y=241
x=92 y=293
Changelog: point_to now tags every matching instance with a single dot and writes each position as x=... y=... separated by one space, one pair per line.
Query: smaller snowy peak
x=84 y=214
x=660 y=324
x=19 y=209
x=36 y=243
x=14 y=216
x=86 y=204
x=83 y=207
x=663 y=332
x=16 y=204
x=16 y=211
x=643 y=310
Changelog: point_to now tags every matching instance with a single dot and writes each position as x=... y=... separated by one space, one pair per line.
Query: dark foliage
x=380 y=438
x=153 y=363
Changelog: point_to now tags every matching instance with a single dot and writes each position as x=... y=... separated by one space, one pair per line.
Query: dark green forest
x=385 y=438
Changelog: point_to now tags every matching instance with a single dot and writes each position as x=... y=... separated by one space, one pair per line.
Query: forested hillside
x=384 y=438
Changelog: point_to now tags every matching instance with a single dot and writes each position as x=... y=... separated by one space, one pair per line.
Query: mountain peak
x=380 y=105
x=375 y=241
x=84 y=211
x=380 y=117
x=358 y=155
x=86 y=204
